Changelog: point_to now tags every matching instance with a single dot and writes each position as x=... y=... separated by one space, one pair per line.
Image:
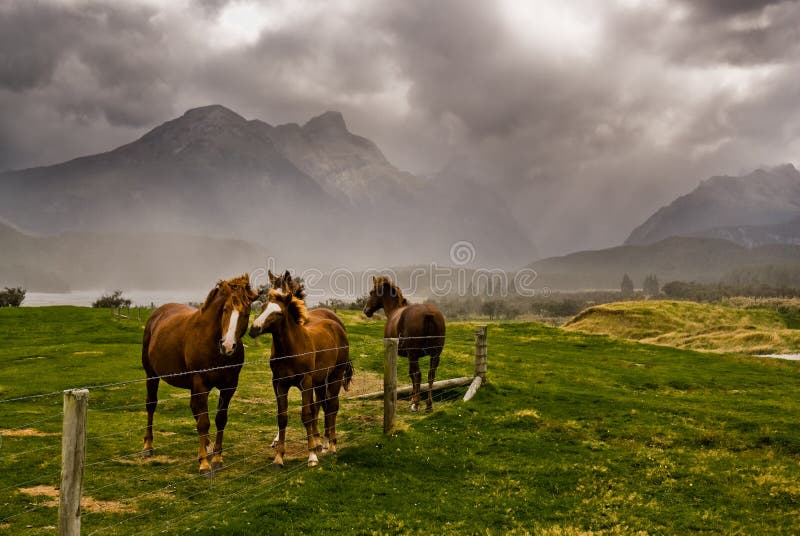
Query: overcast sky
x=586 y=115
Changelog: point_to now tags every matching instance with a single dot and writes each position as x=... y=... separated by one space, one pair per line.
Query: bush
x=114 y=300
x=12 y=297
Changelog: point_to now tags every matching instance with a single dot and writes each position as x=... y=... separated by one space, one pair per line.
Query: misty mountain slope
x=345 y=165
x=315 y=194
x=757 y=235
x=676 y=258
x=763 y=197
x=127 y=261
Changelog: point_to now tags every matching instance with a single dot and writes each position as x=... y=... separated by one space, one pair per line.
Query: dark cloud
x=585 y=134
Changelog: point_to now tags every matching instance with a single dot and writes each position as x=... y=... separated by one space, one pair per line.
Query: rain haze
x=576 y=119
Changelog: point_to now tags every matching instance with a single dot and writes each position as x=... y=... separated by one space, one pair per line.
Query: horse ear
x=272 y=277
x=287 y=277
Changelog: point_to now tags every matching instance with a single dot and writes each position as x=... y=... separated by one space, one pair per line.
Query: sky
x=585 y=116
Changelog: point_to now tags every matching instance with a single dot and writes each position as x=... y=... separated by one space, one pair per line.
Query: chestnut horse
x=198 y=349
x=311 y=354
x=420 y=329
x=286 y=284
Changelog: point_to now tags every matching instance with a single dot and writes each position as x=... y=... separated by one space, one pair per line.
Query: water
x=790 y=357
x=138 y=297
x=84 y=298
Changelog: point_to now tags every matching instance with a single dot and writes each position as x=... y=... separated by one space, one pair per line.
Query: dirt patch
x=88 y=504
x=256 y=400
x=26 y=432
x=364 y=382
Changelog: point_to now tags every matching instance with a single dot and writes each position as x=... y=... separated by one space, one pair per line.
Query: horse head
x=287 y=284
x=383 y=292
x=279 y=307
x=237 y=295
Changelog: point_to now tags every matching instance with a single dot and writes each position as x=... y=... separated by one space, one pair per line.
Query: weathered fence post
x=389 y=384
x=73 y=453
x=480 y=362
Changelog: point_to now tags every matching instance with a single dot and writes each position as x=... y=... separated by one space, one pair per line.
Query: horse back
x=164 y=339
x=421 y=328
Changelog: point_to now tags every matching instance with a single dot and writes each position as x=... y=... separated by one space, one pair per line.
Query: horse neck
x=289 y=338
x=211 y=316
x=391 y=305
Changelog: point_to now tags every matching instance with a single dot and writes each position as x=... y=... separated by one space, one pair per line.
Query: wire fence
x=122 y=487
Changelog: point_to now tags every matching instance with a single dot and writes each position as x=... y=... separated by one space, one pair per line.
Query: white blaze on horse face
x=271 y=307
x=229 y=340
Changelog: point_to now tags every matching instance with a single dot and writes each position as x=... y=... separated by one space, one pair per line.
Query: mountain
x=314 y=194
x=675 y=258
x=721 y=204
x=118 y=260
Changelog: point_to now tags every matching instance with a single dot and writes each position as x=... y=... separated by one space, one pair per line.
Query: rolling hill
x=676 y=258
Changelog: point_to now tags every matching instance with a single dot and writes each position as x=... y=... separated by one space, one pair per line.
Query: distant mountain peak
x=330 y=122
x=212 y=111
x=766 y=196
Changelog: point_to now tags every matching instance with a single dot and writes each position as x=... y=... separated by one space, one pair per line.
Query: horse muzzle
x=225 y=352
x=255 y=331
x=368 y=313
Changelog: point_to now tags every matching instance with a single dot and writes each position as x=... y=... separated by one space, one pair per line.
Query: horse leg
x=431 y=378
x=282 y=397
x=199 y=405
x=416 y=378
x=307 y=414
x=331 y=409
x=321 y=401
x=152 y=402
x=221 y=419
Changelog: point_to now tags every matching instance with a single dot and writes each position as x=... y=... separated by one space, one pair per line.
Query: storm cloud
x=585 y=116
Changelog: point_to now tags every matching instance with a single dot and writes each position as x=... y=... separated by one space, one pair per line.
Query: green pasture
x=574 y=434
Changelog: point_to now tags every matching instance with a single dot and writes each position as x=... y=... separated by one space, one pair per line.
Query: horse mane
x=294 y=305
x=384 y=282
x=238 y=286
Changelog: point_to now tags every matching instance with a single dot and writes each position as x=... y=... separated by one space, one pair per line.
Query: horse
x=287 y=284
x=199 y=349
x=420 y=329
x=311 y=354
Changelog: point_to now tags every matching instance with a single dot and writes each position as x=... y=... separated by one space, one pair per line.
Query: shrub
x=113 y=300
x=12 y=297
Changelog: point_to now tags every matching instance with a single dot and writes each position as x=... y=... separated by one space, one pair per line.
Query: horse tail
x=348 y=374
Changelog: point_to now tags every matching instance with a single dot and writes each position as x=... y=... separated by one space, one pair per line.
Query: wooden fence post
x=480 y=363
x=389 y=384
x=73 y=453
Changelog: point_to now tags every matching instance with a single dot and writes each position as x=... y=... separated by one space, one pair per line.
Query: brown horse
x=311 y=354
x=286 y=284
x=198 y=349
x=420 y=328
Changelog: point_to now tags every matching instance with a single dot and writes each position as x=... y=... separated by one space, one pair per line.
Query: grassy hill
x=573 y=434
x=707 y=327
x=687 y=259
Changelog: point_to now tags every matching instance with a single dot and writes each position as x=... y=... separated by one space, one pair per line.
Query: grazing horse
x=286 y=284
x=198 y=349
x=311 y=354
x=419 y=327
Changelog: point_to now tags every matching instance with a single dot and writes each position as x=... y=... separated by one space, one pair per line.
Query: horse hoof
x=414 y=407
x=206 y=472
x=146 y=453
x=216 y=466
x=428 y=409
x=313 y=463
x=319 y=448
x=276 y=465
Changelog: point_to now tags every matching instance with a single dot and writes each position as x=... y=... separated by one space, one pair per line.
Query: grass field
x=574 y=434
x=756 y=329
